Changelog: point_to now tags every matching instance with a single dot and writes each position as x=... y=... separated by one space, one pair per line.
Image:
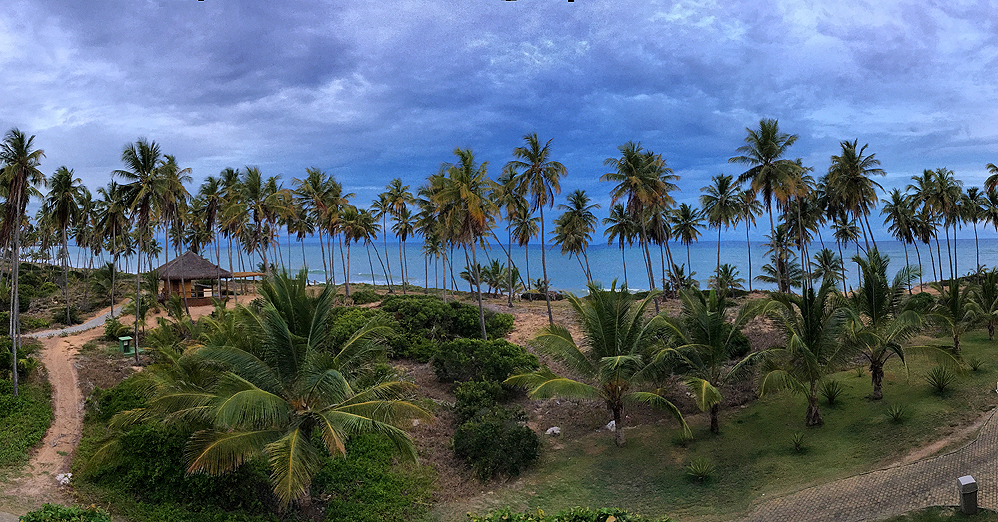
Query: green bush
x=413 y=346
x=345 y=321
x=740 y=345
x=420 y=314
x=477 y=399
x=364 y=297
x=34 y=323
x=701 y=470
x=496 y=445
x=577 y=514
x=467 y=323
x=52 y=513
x=104 y=404
x=48 y=288
x=59 y=316
x=114 y=329
x=366 y=486
x=477 y=360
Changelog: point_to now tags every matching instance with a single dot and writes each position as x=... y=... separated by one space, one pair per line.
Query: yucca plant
x=797 y=440
x=897 y=413
x=700 y=469
x=940 y=378
x=611 y=355
x=975 y=363
x=830 y=390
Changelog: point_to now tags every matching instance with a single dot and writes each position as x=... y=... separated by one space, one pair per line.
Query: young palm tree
x=954 y=310
x=985 y=299
x=20 y=175
x=721 y=204
x=686 y=225
x=725 y=280
x=812 y=323
x=142 y=159
x=610 y=357
x=540 y=180
x=574 y=229
x=826 y=265
x=703 y=342
x=764 y=151
x=849 y=186
x=622 y=229
x=62 y=203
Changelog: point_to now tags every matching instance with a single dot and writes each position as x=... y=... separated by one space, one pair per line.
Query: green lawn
x=753 y=455
x=23 y=420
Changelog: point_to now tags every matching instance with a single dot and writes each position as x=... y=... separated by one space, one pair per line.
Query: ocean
x=605 y=261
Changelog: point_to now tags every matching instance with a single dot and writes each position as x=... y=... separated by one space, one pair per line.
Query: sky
x=370 y=91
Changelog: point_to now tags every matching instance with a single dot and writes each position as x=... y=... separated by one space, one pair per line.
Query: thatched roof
x=191 y=266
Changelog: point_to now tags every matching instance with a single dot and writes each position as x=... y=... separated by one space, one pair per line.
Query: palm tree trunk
x=384 y=228
x=877 y=378
x=949 y=253
x=843 y=259
x=921 y=283
x=346 y=273
x=478 y=286
x=618 y=426
x=138 y=290
x=509 y=262
x=589 y=273
x=715 y=427
x=813 y=416
x=718 y=269
x=15 y=304
x=907 y=264
x=526 y=257
x=644 y=245
x=623 y=262
x=544 y=267
x=402 y=268
x=65 y=272
x=748 y=245
x=370 y=262
x=939 y=254
x=867 y=218
x=232 y=269
x=977 y=245
x=380 y=261
x=776 y=264
x=322 y=248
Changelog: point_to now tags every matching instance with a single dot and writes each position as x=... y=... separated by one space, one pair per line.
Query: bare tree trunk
x=618 y=426
x=813 y=417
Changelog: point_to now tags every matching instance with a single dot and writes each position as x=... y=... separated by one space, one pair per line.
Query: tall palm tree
x=899 y=217
x=764 y=152
x=112 y=225
x=622 y=229
x=845 y=231
x=311 y=194
x=721 y=202
x=972 y=210
x=943 y=197
x=464 y=201
x=525 y=227
x=509 y=200
x=540 y=180
x=574 y=229
x=686 y=225
x=141 y=160
x=644 y=181
x=849 y=186
x=18 y=179
x=749 y=208
x=991 y=184
x=610 y=357
x=382 y=208
x=404 y=227
x=62 y=203
x=353 y=228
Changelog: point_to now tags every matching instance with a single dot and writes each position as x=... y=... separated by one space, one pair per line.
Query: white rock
x=415 y=422
x=553 y=430
x=612 y=425
x=63 y=478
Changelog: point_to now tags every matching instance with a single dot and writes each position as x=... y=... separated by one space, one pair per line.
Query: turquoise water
x=605 y=261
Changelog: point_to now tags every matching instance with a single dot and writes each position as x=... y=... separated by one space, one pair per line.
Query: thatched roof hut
x=191 y=266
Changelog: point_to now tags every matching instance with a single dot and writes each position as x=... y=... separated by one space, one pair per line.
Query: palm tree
x=355 y=225
x=849 y=186
x=621 y=228
x=763 y=151
x=540 y=180
x=845 y=231
x=525 y=228
x=510 y=201
x=283 y=390
x=882 y=319
x=382 y=208
x=311 y=194
x=112 y=224
x=464 y=202
x=985 y=299
x=686 y=226
x=702 y=343
x=398 y=198
x=18 y=179
x=973 y=211
x=826 y=265
x=610 y=358
x=142 y=193
x=812 y=323
x=404 y=227
x=721 y=204
x=954 y=310
x=62 y=203
x=991 y=184
x=645 y=181
x=725 y=280
x=749 y=208
x=574 y=229
x=899 y=216
x=942 y=194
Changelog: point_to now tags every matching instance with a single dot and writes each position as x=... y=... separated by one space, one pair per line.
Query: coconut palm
x=574 y=229
x=283 y=392
x=845 y=231
x=898 y=216
x=991 y=184
x=826 y=265
x=112 y=224
x=725 y=280
x=142 y=192
x=686 y=223
x=849 y=186
x=311 y=193
x=622 y=229
x=404 y=227
x=954 y=310
x=465 y=205
x=20 y=175
x=354 y=225
x=398 y=198
x=540 y=179
x=883 y=321
x=812 y=323
x=764 y=151
x=985 y=299
x=525 y=227
x=749 y=208
x=702 y=343
x=610 y=359
x=62 y=203
x=973 y=212
x=721 y=202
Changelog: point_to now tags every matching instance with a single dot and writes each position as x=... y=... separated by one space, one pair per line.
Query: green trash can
x=125 y=343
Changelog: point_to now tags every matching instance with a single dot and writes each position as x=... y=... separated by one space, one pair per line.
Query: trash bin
x=967 y=487
x=125 y=343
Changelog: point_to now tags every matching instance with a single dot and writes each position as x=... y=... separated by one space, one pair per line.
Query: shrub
x=740 y=346
x=797 y=440
x=364 y=297
x=476 y=399
x=940 y=378
x=474 y=359
x=577 y=514
x=113 y=329
x=498 y=445
x=413 y=346
x=52 y=513
x=499 y=325
x=467 y=323
x=700 y=469
x=23 y=420
x=104 y=404
x=975 y=363
x=34 y=323
x=830 y=390
x=59 y=316
x=420 y=314
x=345 y=321
x=48 y=288
x=897 y=413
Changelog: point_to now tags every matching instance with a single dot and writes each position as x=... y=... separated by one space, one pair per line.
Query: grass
x=23 y=420
x=753 y=457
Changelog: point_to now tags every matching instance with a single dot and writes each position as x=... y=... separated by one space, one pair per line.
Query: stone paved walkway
x=92 y=323
x=893 y=491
